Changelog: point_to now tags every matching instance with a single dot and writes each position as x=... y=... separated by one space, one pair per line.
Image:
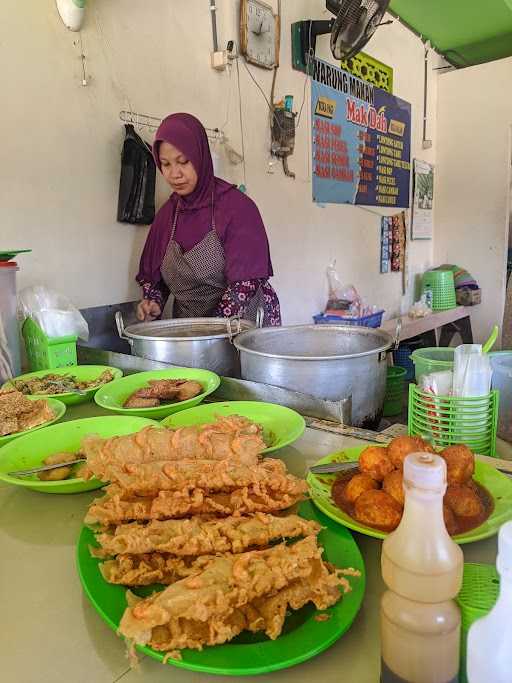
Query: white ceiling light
x=72 y=13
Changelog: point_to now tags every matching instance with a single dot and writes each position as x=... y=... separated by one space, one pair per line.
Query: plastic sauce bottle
x=489 y=658
x=422 y=568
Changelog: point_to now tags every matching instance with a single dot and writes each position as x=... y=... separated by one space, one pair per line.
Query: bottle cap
x=425 y=471
x=504 y=559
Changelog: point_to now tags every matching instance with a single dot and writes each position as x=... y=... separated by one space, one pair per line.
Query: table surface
x=51 y=633
x=412 y=327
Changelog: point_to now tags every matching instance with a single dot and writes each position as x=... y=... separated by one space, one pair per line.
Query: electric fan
x=356 y=22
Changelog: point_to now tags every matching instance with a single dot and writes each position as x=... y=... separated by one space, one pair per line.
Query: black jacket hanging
x=136 y=202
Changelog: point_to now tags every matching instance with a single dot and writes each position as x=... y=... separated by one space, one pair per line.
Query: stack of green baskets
x=478 y=595
x=393 y=400
x=44 y=352
x=442 y=286
x=451 y=420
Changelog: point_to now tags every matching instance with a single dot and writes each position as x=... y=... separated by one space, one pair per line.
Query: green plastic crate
x=46 y=353
x=451 y=420
x=477 y=597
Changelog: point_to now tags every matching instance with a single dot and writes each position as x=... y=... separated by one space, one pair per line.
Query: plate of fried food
x=72 y=384
x=280 y=426
x=20 y=414
x=369 y=497
x=62 y=443
x=196 y=557
x=157 y=393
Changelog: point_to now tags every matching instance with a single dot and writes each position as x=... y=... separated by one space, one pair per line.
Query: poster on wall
x=423 y=201
x=361 y=141
x=393 y=239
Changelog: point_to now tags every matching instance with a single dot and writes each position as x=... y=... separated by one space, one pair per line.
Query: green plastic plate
x=281 y=426
x=30 y=450
x=303 y=636
x=58 y=408
x=498 y=485
x=12 y=253
x=84 y=373
x=113 y=395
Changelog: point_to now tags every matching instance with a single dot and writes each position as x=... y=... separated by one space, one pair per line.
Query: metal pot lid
x=314 y=342
x=189 y=329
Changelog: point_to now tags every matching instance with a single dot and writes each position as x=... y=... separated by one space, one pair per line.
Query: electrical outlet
x=219 y=60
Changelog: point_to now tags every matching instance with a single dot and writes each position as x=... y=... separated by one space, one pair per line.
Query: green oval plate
x=30 y=450
x=84 y=373
x=58 y=408
x=113 y=395
x=498 y=485
x=303 y=637
x=281 y=426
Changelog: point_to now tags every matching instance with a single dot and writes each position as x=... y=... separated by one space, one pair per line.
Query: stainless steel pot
x=331 y=362
x=188 y=342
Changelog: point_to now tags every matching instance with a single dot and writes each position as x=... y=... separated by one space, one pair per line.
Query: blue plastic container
x=373 y=320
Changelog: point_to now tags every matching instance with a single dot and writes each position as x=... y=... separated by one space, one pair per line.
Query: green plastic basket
x=478 y=595
x=442 y=285
x=394 y=398
x=45 y=353
x=451 y=420
x=432 y=359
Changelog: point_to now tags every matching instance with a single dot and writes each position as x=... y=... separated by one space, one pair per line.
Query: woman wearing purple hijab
x=207 y=251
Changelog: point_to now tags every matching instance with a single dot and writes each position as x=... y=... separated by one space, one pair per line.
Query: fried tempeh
x=197 y=536
x=147 y=479
x=116 y=508
x=230 y=437
x=227 y=584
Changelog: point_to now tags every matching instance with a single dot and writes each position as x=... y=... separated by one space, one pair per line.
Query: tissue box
x=468 y=297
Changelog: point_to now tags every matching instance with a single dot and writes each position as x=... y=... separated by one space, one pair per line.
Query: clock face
x=259 y=33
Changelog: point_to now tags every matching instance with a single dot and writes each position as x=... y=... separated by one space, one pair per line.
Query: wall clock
x=259 y=33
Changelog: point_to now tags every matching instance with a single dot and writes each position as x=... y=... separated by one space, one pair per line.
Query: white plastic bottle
x=489 y=651
x=422 y=568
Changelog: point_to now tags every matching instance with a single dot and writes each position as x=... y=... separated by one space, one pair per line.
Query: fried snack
x=116 y=508
x=148 y=479
x=375 y=461
x=189 y=390
x=230 y=437
x=357 y=485
x=197 y=536
x=463 y=501
x=18 y=413
x=136 y=402
x=163 y=389
x=449 y=520
x=393 y=484
x=226 y=585
x=378 y=509
x=402 y=446
x=58 y=473
x=460 y=464
x=143 y=570
x=53 y=384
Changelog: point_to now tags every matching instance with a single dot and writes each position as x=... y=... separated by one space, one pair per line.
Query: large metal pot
x=188 y=342
x=331 y=362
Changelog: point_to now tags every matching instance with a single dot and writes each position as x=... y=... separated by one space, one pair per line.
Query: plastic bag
x=53 y=312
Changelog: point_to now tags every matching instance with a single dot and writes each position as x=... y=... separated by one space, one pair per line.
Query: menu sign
x=361 y=141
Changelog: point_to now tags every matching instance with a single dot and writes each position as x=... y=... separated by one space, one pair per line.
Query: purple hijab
x=237 y=219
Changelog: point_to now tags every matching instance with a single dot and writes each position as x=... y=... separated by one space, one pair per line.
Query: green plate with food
x=31 y=450
x=281 y=426
x=72 y=384
x=492 y=487
x=17 y=423
x=306 y=632
x=158 y=393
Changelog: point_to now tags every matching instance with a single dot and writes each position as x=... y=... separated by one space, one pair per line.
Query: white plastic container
x=489 y=651
x=502 y=380
x=8 y=323
x=422 y=568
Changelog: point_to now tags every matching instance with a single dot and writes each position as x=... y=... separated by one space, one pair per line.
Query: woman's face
x=177 y=169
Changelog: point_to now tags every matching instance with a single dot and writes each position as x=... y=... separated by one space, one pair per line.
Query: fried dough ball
x=394 y=485
x=460 y=464
x=358 y=485
x=463 y=501
x=374 y=461
x=449 y=520
x=58 y=473
x=402 y=446
x=378 y=509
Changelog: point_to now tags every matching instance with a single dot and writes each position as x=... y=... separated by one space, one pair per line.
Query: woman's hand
x=148 y=310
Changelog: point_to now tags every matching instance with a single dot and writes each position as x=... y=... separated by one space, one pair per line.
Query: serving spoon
x=44 y=468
